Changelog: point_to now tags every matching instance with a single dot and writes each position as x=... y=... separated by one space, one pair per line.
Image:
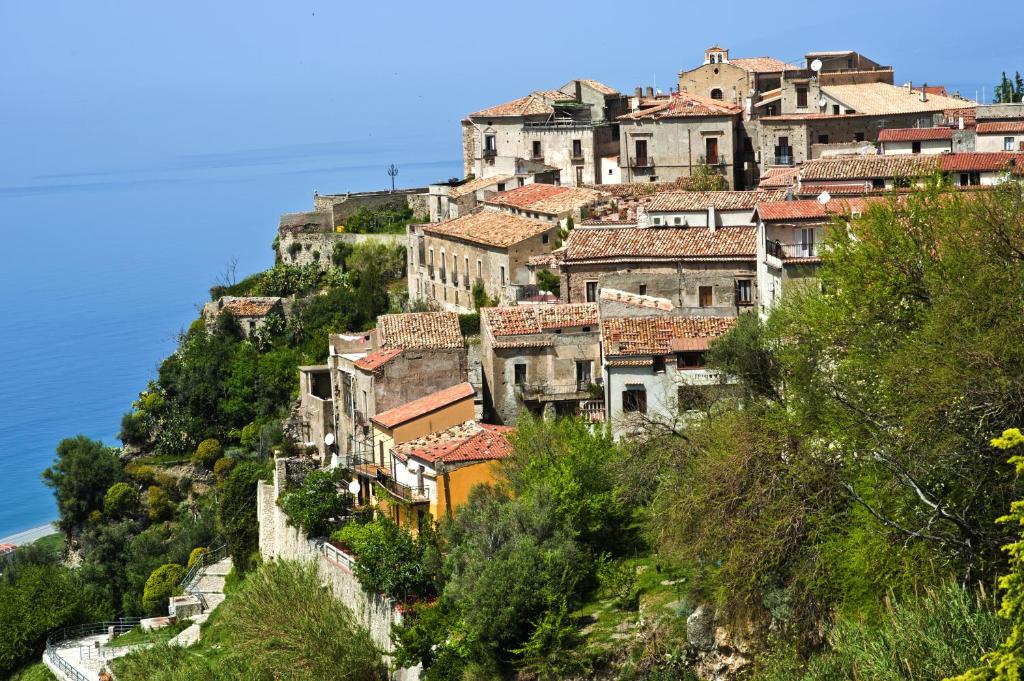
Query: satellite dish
x=329 y=439
x=816 y=65
x=824 y=198
x=822 y=102
x=353 y=487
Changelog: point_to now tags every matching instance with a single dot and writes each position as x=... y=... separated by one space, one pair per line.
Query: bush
x=142 y=474
x=120 y=500
x=133 y=428
x=207 y=453
x=390 y=558
x=548 y=281
x=223 y=467
x=469 y=324
x=312 y=505
x=161 y=585
x=158 y=504
x=196 y=554
x=236 y=514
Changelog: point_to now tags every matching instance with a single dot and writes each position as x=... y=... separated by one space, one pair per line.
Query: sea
x=101 y=269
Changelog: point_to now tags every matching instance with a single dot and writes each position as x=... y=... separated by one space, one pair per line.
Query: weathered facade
x=250 y=312
x=539 y=357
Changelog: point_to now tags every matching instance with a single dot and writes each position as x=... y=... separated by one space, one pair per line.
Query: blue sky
x=102 y=87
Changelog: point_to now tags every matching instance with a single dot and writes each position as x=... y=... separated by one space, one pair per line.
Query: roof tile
x=914 y=134
x=419 y=330
x=531 y=319
x=692 y=201
x=995 y=127
x=596 y=243
x=490 y=227
x=425 y=405
x=682 y=105
x=466 y=442
x=641 y=336
x=535 y=103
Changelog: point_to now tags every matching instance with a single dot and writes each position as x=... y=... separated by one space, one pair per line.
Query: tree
x=1009 y=91
x=120 y=500
x=80 y=476
x=207 y=453
x=547 y=281
x=313 y=504
x=390 y=559
x=236 y=514
x=163 y=583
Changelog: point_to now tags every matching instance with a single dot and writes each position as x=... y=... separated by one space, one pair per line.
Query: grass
x=139 y=637
x=53 y=543
x=162 y=459
x=34 y=672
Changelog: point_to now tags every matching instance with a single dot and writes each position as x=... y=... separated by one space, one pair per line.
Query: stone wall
x=310 y=244
x=341 y=206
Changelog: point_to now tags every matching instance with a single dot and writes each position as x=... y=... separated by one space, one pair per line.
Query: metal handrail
x=59 y=636
x=190 y=582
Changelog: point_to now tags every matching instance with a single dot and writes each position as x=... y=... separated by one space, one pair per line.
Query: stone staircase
x=203 y=591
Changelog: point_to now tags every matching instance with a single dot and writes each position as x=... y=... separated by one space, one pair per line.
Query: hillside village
x=597 y=248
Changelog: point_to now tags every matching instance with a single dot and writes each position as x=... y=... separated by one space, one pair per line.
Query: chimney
x=924 y=94
x=650 y=91
x=961 y=123
x=639 y=91
x=712 y=218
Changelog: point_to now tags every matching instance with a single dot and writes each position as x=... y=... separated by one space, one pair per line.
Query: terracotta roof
x=682 y=243
x=599 y=86
x=419 y=330
x=936 y=90
x=969 y=115
x=760 y=64
x=693 y=201
x=1000 y=126
x=882 y=98
x=635 y=299
x=864 y=167
x=527 y=195
x=470 y=441
x=377 y=359
x=783 y=211
x=477 y=183
x=779 y=177
x=250 y=307
x=411 y=410
x=914 y=134
x=683 y=105
x=547 y=260
x=982 y=161
x=546 y=198
x=528 y=319
x=490 y=227
x=535 y=103
x=813 y=189
x=632 y=336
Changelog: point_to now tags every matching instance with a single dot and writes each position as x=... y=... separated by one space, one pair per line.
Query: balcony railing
x=643 y=162
x=783 y=159
x=576 y=157
x=555 y=391
x=444 y=276
x=781 y=250
x=403 y=491
x=490 y=153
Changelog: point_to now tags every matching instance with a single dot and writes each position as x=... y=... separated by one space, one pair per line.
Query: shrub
x=312 y=505
x=390 y=558
x=158 y=504
x=142 y=474
x=469 y=324
x=548 y=281
x=223 y=467
x=294 y=248
x=161 y=585
x=236 y=513
x=480 y=297
x=133 y=428
x=120 y=500
x=207 y=453
x=196 y=554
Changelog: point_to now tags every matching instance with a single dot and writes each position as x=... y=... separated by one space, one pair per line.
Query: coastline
x=30 y=535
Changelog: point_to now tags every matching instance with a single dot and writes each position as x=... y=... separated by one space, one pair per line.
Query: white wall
x=927 y=147
x=994 y=142
x=661 y=390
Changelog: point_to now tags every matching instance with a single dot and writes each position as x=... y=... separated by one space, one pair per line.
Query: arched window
x=716 y=94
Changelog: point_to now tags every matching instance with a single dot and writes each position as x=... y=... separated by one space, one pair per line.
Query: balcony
x=642 y=162
x=430 y=271
x=576 y=157
x=404 y=492
x=783 y=159
x=490 y=154
x=781 y=252
x=555 y=392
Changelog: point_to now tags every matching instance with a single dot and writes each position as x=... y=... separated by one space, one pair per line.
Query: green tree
x=547 y=281
x=207 y=453
x=391 y=560
x=163 y=583
x=1009 y=91
x=120 y=500
x=236 y=514
x=80 y=476
x=316 y=501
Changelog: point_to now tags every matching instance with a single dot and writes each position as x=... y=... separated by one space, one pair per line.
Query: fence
x=59 y=638
x=190 y=583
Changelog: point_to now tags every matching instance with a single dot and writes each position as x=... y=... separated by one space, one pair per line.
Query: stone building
x=667 y=138
x=932 y=140
x=705 y=209
x=251 y=312
x=492 y=247
x=853 y=175
x=539 y=357
x=733 y=81
x=316 y=407
x=655 y=370
x=408 y=356
x=560 y=134
x=452 y=200
x=701 y=271
x=549 y=203
x=1000 y=127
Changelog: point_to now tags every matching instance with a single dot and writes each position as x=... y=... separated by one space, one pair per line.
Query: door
x=711 y=148
x=583 y=379
x=641 y=152
x=806 y=242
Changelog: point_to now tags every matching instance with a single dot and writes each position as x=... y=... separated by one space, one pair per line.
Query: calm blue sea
x=102 y=268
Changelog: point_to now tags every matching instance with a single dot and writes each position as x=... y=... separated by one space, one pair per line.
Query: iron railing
x=779 y=249
x=643 y=162
x=403 y=491
x=190 y=582
x=490 y=153
x=783 y=159
x=555 y=390
x=58 y=639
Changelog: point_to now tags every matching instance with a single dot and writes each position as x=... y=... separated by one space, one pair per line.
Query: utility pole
x=392 y=172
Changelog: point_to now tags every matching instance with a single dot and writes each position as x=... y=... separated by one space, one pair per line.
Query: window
x=849 y=63
x=591 y=291
x=858 y=137
x=690 y=360
x=657 y=221
x=801 y=98
x=677 y=221
x=519 y=374
x=537 y=153
x=877 y=183
x=502 y=275
x=643 y=289
x=431 y=257
x=522 y=181
x=641 y=152
x=822 y=139
x=577 y=149
x=915 y=147
x=659 y=365
x=634 y=399
x=583 y=374
x=545 y=238
x=1007 y=144
x=479 y=269
x=455 y=268
x=783 y=152
x=466 y=263
x=969 y=179
x=490 y=143
x=716 y=93
x=252 y=325
x=835 y=109
x=807 y=249
x=744 y=292
x=705 y=297
x=501 y=186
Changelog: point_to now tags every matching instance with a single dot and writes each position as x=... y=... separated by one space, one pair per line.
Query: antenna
x=824 y=198
x=816 y=65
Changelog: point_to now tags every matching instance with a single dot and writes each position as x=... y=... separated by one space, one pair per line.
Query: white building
x=916 y=140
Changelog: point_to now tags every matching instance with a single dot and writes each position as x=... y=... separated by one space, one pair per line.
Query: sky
x=88 y=88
